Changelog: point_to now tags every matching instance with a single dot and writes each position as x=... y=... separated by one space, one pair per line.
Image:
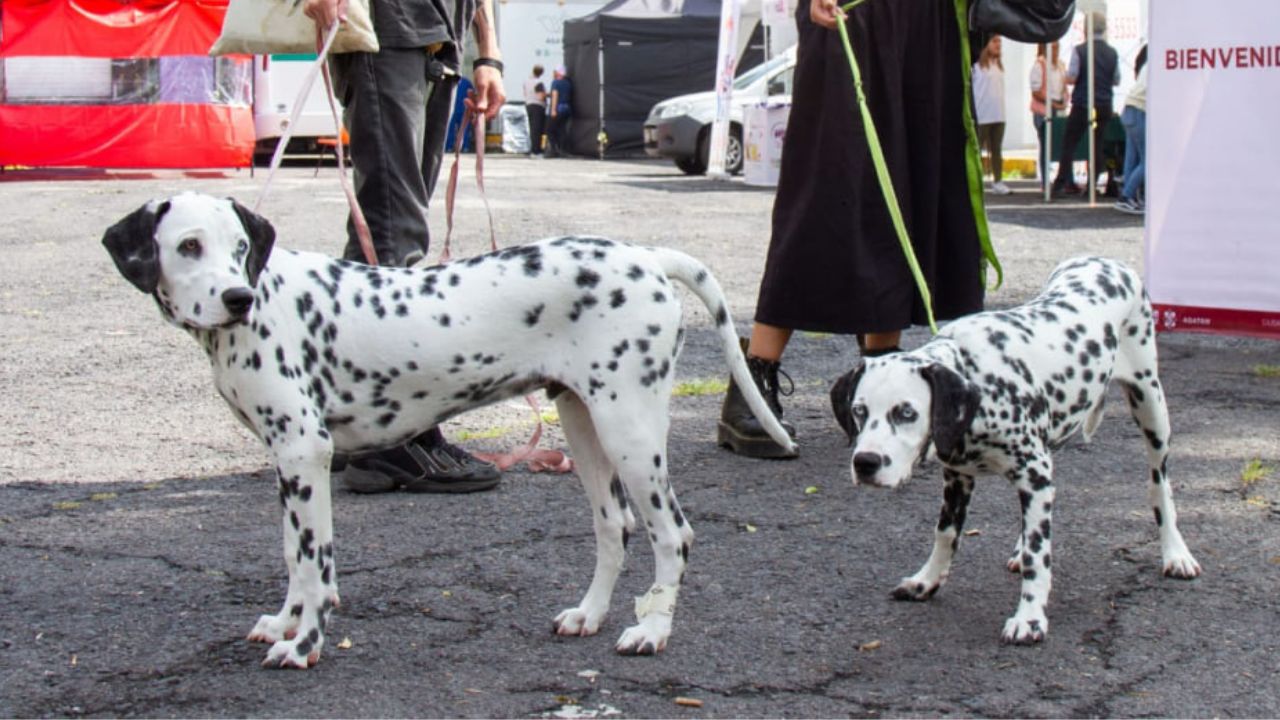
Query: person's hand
x=826 y=13
x=325 y=12
x=488 y=95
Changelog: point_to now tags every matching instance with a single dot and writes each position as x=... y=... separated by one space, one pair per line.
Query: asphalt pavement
x=140 y=535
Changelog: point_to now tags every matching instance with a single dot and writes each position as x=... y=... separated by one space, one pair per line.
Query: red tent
x=121 y=83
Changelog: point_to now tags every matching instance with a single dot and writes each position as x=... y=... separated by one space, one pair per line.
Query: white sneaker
x=1000 y=188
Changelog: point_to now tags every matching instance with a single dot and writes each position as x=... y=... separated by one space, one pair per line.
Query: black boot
x=739 y=430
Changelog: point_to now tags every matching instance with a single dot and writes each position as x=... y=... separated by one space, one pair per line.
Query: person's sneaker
x=422 y=467
x=1129 y=206
x=1000 y=188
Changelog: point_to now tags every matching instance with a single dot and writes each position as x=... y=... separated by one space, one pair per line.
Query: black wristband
x=487 y=62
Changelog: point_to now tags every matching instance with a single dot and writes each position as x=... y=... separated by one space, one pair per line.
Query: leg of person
x=1077 y=121
x=1136 y=135
x=739 y=430
x=997 y=159
x=384 y=100
x=537 y=121
x=1043 y=159
x=392 y=112
x=435 y=128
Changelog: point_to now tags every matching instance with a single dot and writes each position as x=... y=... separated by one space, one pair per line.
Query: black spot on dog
x=532 y=315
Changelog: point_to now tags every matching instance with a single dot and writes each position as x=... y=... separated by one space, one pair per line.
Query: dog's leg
x=1034 y=482
x=611 y=515
x=297 y=631
x=1146 y=401
x=635 y=440
x=283 y=625
x=1135 y=370
x=946 y=538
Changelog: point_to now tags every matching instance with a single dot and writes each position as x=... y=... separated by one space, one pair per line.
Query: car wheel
x=733 y=152
x=691 y=165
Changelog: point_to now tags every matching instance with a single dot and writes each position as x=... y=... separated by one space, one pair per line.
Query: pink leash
x=537 y=459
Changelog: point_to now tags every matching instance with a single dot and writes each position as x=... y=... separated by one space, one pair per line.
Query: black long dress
x=835 y=263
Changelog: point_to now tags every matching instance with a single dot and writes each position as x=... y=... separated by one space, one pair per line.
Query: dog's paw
x=576 y=621
x=643 y=639
x=915 y=590
x=299 y=653
x=1181 y=566
x=274 y=628
x=1024 y=631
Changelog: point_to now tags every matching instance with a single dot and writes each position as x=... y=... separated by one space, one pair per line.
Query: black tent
x=631 y=54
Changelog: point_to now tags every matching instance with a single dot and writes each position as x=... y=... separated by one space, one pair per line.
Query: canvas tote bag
x=266 y=27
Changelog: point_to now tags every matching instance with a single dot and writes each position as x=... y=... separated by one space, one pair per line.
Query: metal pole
x=1048 y=146
x=1093 y=115
x=1048 y=124
x=602 y=135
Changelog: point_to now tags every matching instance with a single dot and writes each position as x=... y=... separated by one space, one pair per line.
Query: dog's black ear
x=842 y=399
x=261 y=238
x=132 y=244
x=955 y=401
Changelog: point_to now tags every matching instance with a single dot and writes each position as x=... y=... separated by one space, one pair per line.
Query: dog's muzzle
x=867 y=464
x=238 y=301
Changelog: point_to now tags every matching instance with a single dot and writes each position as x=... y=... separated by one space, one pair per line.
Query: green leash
x=973 y=165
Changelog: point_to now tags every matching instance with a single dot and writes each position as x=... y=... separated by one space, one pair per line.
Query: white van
x=276 y=81
x=680 y=128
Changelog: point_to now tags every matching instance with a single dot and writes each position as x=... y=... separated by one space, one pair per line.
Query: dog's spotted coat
x=315 y=355
x=997 y=393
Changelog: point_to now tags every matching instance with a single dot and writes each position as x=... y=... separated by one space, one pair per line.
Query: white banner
x=1213 y=166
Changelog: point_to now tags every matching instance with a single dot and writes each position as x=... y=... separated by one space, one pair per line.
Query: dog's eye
x=860 y=414
x=904 y=413
x=242 y=247
x=189 y=248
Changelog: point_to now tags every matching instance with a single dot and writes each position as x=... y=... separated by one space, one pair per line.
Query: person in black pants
x=396 y=105
x=1106 y=75
x=834 y=263
x=559 y=108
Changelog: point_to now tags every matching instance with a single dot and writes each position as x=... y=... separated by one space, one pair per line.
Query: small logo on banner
x=1170 y=319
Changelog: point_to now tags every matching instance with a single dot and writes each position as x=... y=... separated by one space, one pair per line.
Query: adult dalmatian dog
x=316 y=355
x=997 y=393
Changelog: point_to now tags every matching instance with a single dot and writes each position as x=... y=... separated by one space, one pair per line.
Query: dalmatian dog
x=316 y=355
x=997 y=393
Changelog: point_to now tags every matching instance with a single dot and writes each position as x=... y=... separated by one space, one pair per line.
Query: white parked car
x=680 y=127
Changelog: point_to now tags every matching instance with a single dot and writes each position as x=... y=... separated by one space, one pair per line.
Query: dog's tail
x=694 y=275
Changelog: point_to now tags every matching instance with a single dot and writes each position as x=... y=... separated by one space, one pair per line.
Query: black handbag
x=1029 y=21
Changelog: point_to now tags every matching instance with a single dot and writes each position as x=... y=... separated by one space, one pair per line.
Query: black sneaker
x=420 y=466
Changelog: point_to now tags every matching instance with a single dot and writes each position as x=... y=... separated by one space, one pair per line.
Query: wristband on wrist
x=487 y=62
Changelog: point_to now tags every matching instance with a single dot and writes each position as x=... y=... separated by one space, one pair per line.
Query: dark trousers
x=557 y=132
x=1077 y=125
x=397 y=119
x=537 y=126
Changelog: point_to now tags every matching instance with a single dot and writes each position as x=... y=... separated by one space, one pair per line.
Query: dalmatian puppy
x=997 y=393
x=316 y=355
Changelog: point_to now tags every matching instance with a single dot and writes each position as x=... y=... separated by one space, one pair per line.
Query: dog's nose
x=866 y=464
x=238 y=301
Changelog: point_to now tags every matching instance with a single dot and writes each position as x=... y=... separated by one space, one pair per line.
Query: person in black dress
x=834 y=263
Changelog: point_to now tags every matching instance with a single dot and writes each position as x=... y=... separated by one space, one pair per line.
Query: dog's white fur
x=316 y=355
x=997 y=393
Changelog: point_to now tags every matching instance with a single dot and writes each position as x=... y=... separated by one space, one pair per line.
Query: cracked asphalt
x=140 y=540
